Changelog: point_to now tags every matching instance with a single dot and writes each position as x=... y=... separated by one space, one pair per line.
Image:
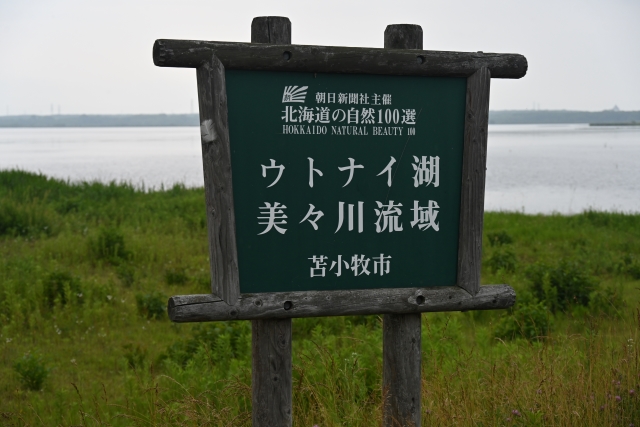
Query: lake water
x=530 y=168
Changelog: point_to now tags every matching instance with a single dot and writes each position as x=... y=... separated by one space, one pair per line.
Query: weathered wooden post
x=379 y=210
x=271 y=380
x=401 y=334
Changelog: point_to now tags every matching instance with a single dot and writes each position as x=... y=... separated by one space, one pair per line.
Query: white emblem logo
x=294 y=93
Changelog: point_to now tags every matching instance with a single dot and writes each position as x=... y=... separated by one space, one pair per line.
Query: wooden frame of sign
x=271 y=312
x=226 y=302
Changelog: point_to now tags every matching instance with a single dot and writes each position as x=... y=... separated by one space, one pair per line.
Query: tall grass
x=85 y=341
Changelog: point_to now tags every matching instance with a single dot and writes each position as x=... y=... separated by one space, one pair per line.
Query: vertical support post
x=218 y=189
x=271 y=368
x=401 y=373
x=402 y=333
x=474 y=166
x=271 y=30
x=271 y=372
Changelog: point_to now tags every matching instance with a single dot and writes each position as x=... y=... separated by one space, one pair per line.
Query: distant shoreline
x=595 y=118
x=99 y=120
x=616 y=124
x=607 y=117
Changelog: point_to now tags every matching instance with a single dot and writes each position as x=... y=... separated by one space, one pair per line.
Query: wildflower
x=109 y=297
x=618 y=398
x=632 y=392
x=73 y=361
x=602 y=408
x=539 y=391
x=9 y=340
x=516 y=413
x=508 y=419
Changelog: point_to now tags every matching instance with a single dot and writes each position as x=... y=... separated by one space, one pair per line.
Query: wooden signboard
x=345 y=181
x=340 y=181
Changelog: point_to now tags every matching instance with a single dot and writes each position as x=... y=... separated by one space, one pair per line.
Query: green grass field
x=86 y=269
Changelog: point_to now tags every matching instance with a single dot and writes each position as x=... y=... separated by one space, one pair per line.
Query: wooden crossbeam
x=332 y=59
x=282 y=305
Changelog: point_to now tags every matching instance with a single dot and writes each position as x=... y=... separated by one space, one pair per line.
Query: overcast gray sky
x=95 y=57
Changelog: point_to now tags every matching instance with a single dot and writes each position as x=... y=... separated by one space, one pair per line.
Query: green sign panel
x=345 y=181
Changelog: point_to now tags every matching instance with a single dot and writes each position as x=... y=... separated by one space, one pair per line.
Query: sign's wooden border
x=333 y=59
x=281 y=305
x=211 y=58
